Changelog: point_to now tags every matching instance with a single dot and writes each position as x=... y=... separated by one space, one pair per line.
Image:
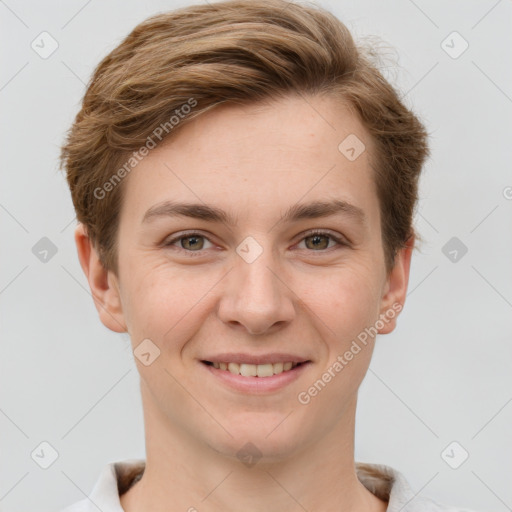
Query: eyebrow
x=312 y=210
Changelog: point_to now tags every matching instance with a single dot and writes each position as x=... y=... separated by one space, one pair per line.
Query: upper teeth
x=255 y=370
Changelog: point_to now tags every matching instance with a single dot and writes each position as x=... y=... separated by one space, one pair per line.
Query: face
x=282 y=262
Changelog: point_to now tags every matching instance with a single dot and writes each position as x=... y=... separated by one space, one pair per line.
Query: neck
x=183 y=474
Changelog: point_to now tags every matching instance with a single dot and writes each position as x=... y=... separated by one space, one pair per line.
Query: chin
x=263 y=441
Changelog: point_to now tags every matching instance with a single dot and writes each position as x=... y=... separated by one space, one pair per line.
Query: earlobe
x=397 y=282
x=102 y=283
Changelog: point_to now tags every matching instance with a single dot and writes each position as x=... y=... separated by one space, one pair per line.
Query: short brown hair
x=238 y=52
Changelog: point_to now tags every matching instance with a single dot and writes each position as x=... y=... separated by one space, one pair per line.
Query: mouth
x=255 y=370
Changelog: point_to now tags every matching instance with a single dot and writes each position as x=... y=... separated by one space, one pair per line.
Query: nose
x=255 y=298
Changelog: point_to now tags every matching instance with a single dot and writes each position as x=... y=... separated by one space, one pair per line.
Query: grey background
x=442 y=376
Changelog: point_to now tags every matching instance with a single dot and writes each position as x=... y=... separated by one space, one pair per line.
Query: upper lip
x=239 y=357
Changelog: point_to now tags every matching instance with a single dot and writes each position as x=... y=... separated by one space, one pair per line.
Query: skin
x=253 y=162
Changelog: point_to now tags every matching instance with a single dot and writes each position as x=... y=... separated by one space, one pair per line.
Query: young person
x=245 y=181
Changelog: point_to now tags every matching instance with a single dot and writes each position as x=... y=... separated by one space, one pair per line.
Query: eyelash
x=315 y=232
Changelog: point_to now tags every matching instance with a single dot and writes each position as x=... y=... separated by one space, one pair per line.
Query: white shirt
x=385 y=482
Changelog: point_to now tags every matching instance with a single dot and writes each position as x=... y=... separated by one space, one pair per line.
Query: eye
x=315 y=240
x=319 y=240
x=191 y=242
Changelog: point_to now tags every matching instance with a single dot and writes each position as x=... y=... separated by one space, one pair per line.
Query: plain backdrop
x=442 y=377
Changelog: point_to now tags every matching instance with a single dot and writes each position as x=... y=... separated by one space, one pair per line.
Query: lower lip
x=257 y=385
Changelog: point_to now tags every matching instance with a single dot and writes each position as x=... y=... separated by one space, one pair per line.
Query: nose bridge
x=256 y=297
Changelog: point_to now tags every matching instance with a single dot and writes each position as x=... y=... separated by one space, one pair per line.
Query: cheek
x=345 y=302
x=344 y=314
x=165 y=305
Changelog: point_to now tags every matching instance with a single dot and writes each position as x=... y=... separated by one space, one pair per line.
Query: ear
x=103 y=284
x=395 y=290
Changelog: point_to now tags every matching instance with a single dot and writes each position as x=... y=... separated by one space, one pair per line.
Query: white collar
x=383 y=481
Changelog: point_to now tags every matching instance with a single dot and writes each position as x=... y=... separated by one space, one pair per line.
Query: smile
x=254 y=370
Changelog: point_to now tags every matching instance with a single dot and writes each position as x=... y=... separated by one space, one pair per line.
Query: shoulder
x=79 y=506
x=422 y=504
x=390 y=485
x=115 y=478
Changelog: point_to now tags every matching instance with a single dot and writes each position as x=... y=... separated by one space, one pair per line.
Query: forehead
x=259 y=158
